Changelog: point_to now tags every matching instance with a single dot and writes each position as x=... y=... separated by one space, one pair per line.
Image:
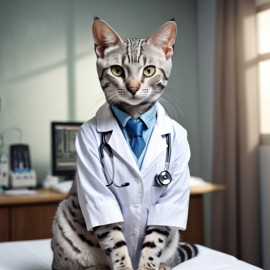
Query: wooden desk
x=30 y=216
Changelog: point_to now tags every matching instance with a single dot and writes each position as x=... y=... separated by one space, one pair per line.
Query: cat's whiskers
x=171 y=104
x=99 y=101
x=121 y=92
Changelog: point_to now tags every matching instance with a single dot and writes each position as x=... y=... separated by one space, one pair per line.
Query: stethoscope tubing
x=159 y=177
x=104 y=145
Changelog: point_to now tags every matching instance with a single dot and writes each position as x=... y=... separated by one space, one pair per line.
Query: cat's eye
x=117 y=71
x=149 y=71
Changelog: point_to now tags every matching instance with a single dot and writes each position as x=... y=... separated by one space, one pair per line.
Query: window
x=263 y=36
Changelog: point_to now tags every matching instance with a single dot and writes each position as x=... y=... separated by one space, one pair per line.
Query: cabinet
x=30 y=217
x=4 y=224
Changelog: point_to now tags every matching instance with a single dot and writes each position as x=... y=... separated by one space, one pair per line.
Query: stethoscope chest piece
x=163 y=178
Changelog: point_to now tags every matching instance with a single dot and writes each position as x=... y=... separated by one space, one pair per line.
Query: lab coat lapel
x=107 y=123
x=155 y=147
x=119 y=144
x=157 y=143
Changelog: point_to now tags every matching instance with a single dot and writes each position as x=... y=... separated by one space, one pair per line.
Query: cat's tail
x=187 y=251
x=184 y=252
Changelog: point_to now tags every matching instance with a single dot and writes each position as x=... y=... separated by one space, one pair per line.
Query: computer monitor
x=63 y=135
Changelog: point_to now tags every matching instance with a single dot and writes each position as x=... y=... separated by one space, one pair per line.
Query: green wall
x=47 y=65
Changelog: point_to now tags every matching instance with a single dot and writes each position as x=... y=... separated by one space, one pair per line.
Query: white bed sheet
x=37 y=255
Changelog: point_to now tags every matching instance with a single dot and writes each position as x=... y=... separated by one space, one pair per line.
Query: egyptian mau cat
x=105 y=247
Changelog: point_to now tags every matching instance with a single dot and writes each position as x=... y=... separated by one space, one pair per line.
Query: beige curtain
x=236 y=212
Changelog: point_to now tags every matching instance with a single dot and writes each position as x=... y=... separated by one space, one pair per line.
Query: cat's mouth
x=133 y=100
x=137 y=97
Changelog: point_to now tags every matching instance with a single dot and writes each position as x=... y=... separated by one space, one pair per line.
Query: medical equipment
x=16 y=171
x=163 y=178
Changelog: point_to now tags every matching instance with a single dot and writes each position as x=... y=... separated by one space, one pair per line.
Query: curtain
x=236 y=212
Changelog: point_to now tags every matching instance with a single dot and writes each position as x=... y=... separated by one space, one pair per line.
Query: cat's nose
x=133 y=90
x=133 y=86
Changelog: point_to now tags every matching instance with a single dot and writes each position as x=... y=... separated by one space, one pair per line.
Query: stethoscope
x=163 y=178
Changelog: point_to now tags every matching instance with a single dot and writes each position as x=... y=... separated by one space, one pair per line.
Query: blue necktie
x=134 y=129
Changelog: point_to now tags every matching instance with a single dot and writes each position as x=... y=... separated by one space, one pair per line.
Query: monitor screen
x=63 y=135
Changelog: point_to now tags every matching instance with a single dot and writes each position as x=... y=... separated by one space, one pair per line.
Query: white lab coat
x=141 y=203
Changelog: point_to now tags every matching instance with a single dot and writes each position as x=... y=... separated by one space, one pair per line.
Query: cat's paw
x=164 y=267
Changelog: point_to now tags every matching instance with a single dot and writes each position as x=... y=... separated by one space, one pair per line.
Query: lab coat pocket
x=156 y=193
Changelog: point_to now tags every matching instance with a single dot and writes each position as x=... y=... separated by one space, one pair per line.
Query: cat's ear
x=164 y=38
x=104 y=37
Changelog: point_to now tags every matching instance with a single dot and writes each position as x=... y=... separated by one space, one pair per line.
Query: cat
x=140 y=79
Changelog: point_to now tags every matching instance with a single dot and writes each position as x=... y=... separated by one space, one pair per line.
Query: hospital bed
x=37 y=255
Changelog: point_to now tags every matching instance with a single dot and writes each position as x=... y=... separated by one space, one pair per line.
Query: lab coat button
x=136 y=205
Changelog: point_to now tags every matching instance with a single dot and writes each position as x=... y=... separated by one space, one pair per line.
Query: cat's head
x=133 y=72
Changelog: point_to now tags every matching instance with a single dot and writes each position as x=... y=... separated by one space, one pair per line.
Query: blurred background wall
x=48 y=73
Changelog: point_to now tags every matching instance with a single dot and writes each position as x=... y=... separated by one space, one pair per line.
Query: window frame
x=264 y=137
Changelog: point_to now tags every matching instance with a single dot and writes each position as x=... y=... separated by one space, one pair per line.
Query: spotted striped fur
x=133 y=91
x=133 y=74
x=75 y=248
x=162 y=247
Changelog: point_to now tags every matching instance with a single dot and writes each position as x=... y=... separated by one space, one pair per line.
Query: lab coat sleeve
x=98 y=204
x=171 y=208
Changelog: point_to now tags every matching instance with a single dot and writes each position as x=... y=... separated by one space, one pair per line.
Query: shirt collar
x=149 y=117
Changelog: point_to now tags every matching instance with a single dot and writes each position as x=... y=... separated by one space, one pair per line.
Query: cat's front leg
x=112 y=241
x=153 y=247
